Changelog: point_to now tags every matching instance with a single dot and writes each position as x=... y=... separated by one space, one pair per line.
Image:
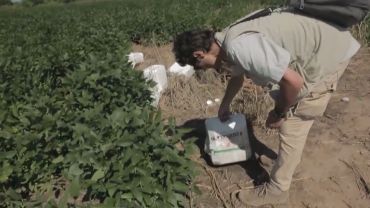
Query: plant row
x=76 y=123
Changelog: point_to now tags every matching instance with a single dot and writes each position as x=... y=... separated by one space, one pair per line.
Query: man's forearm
x=233 y=87
x=290 y=85
x=286 y=99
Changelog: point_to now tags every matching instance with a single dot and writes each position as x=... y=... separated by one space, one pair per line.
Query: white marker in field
x=135 y=58
x=209 y=102
x=345 y=99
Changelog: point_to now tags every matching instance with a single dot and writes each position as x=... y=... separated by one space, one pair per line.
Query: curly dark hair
x=189 y=41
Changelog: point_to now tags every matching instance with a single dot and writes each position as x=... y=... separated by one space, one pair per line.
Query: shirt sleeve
x=262 y=59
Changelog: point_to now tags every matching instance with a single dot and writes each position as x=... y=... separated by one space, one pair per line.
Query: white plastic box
x=157 y=73
x=227 y=142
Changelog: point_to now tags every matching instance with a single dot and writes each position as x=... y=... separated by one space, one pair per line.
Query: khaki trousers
x=293 y=133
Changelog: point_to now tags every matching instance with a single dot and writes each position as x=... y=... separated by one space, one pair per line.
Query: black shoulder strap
x=261 y=13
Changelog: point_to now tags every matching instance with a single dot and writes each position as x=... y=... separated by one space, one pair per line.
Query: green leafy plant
x=76 y=122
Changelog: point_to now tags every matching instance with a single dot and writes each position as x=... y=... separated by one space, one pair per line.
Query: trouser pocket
x=312 y=106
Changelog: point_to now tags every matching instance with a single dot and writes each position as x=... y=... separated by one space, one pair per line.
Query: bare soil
x=335 y=167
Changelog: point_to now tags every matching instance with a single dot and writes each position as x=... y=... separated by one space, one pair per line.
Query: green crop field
x=76 y=123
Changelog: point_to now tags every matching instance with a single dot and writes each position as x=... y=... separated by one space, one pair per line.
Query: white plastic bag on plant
x=176 y=69
x=135 y=58
x=157 y=73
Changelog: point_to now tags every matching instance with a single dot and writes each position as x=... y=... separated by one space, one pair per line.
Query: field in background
x=76 y=125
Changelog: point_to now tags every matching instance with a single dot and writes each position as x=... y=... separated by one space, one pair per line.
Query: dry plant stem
x=329 y=117
x=238 y=185
x=158 y=56
x=360 y=32
x=215 y=185
x=219 y=192
x=204 y=186
x=361 y=182
x=233 y=198
x=300 y=179
x=346 y=203
x=191 y=199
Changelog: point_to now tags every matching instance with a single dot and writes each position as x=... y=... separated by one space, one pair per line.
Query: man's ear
x=198 y=54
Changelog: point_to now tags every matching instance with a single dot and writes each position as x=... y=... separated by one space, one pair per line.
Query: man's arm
x=290 y=85
x=233 y=87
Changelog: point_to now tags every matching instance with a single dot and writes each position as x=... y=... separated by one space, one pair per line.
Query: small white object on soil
x=345 y=99
x=217 y=100
x=209 y=102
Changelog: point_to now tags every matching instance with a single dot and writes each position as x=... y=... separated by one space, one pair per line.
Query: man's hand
x=224 y=112
x=273 y=121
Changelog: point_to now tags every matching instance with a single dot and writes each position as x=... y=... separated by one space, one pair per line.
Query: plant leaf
x=59 y=159
x=5 y=172
x=98 y=175
x=74 y=188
